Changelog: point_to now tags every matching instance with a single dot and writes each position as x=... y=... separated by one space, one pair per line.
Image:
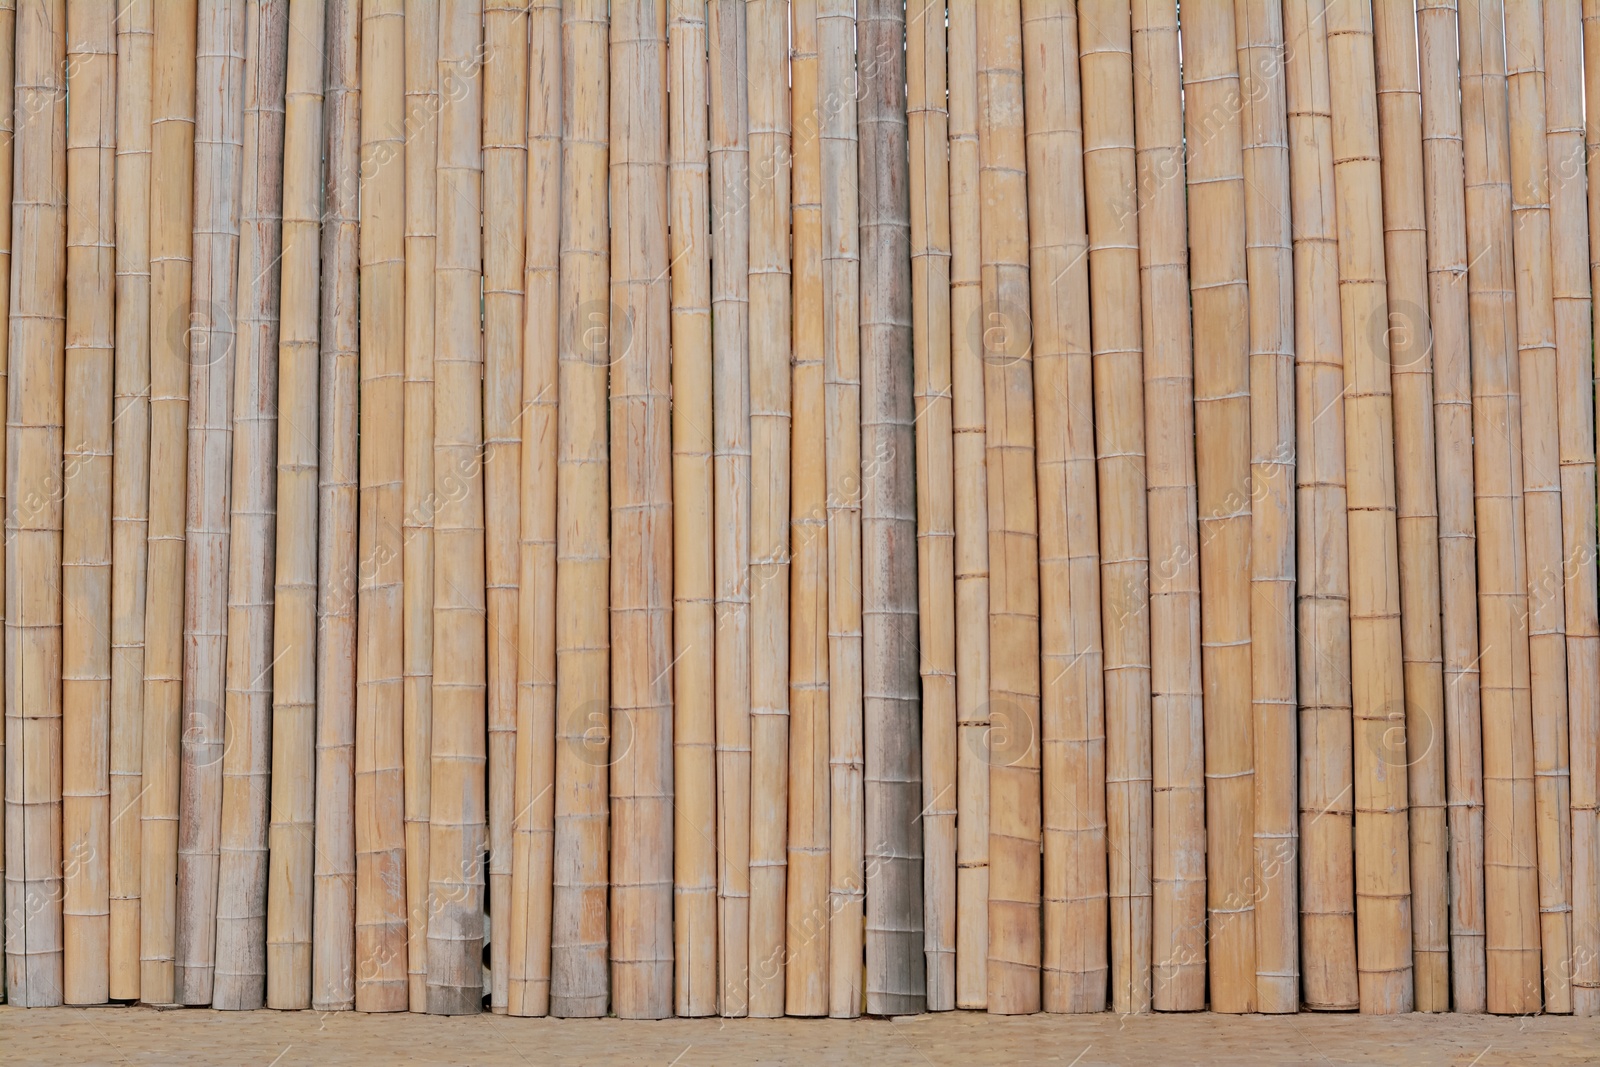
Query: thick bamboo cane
x=1005 y=328
x=693 y=550
x=1105 y=36
x=579 y=923
x=8 y=40
x=90 y=333
x=534 y=804
x=130 y=473
x=1270 y=271
x=383 y=864
x=971 y=499
x=1327 y=879
x=1510 y=874
x=1072 y=717
x=768 y=98
x=1416 y=493
x=505 y=160
x=1584 y=733
x=34 y=418
x=171 y=207
x=295 y=771
x=1178 y=876
x=891 y=690
x=333 y=964
x=807 y=965
x=929 y=122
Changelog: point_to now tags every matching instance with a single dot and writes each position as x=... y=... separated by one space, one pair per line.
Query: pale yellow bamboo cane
x=1584 y=735
x=1178 y=877
x=34 y=417
x=86 y=501
x=1510 y=874
x=381 y=801
x=8 y=40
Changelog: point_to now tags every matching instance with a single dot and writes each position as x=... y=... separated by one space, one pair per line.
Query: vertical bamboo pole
x=971 y=499
x=333 y=963
x=1110 y=191
x=505 y=148
x=810 y=805
x=1416 y=494
x=295 y=760
x=1584 y=735
x=171 y=206
x=383 y=779
x=929 y=121
x=1178 y=876
x=768 y=96
x=34 y=514
x=579 y=924
x=1510 y=874
x=8 y=40
x=86 y=502
x=1005 y=329
x=533 y=828
x=130 y=474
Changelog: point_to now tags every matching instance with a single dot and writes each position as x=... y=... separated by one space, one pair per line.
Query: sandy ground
x=281 y=1039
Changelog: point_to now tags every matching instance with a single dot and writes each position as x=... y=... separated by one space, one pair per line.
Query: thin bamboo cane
x=86 y=501
x=1072 y=719
x=1327 y=879
x=1217 y=279
x=1452 y=395
x=171 y=206
x=971 y=493
x=1178 y=876
x=810 y=805
x=333 y=962
x=1005 y=329
x=579 y=923
x=130 y=474
x=1510 y=874
x=34 y=418
x=929 y=122
x=1416 y=493
x=382 y=784
x=505 y=160
x=533 y=828
x=1110 y=191
x=693 y=551
x=295 y=764
x=1270 y=271
x=768 y=97
x=8 y=40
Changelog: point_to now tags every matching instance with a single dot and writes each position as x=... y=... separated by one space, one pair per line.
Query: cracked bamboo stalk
x=8 y=40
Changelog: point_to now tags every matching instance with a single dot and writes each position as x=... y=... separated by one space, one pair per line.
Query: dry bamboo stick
x=929 y=122
x=8 y=40
x=382 y=786
x=90 y=334
x=579 y=923
x=1217 y=279
x=533 y=828
x=333 y=963
x=1416 y=494
x=891 y=690
x=970 y=472
x=295 y=765
x=130 y=474
x=1510 y=874
x=1005 y=329
x=1269 y=268
x=768 y=100
x=1178 y=964
x=1110 y=191
x=810 y=810
x=1327 y=879
x=693 y=551
x=34 y=418
x=171 y=206
x=505 y=148
x=1072 y=718
x=1452 y=394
